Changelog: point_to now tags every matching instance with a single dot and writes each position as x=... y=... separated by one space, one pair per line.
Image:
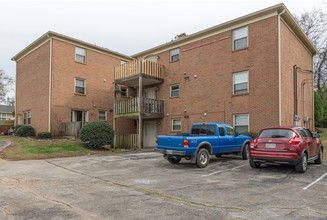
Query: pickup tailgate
x=173 y=145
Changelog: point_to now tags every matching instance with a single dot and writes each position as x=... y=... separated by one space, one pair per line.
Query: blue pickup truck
x=204 y=139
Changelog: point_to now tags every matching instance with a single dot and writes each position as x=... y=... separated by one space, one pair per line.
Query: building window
x=241 y=123
x=27 y=116
x=152 y=58
x=80 y=55
x=174 y=55
x=174 y=90
x=240 y=38
x=176 y=124
x=124 y=92
x=80 y=86
x=102 y=115
x=241 y=82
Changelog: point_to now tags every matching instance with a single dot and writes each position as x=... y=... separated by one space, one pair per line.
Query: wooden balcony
x=128 y=73
x=129 y=108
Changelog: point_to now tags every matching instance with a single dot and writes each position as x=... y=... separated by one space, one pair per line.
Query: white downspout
x=279 y=74
x=50 y=84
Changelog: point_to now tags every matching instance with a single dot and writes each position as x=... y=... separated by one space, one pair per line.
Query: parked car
x=204 y=139
x=286 y=145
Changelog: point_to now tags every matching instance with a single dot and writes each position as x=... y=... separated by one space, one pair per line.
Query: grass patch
x=323 y=138
x=28 y=148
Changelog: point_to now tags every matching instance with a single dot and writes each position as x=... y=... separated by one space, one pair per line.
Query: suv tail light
x=157 y=142
x=253 y=143
x=185 y=143
x=295 y=140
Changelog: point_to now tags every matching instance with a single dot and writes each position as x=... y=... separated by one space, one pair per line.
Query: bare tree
x=314 y=24
x=6 y=83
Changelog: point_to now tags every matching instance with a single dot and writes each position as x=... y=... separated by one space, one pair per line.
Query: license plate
x=169 y=151
x=270 y=145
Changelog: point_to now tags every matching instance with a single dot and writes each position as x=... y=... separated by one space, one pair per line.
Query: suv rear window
x=277 y=133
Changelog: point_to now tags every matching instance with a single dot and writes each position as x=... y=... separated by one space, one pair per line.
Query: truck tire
x=245 y=152
x=173 y=160
x=202 y=158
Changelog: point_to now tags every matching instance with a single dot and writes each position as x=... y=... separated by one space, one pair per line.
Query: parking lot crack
x=151 y=192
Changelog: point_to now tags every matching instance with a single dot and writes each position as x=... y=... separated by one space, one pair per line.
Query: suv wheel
x=202 y=158
x=303 y=165
x=320 y=157
x=254 y=164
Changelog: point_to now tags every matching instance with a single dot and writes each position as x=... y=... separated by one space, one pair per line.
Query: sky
x=125 y=26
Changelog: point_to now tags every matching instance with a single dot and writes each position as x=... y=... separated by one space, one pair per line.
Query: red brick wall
x=213 y=62
x=294 y=53
x=32 y=87
x=99 y=75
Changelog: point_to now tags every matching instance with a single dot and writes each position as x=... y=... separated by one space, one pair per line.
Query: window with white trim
x=27 y=117
x=241 y=83
x=240 y=38
x=241 y=123
x=80 y=86
x=174 y=55
x=102 y=115
x=176 y=124
x=80 y=55
x=174 y=90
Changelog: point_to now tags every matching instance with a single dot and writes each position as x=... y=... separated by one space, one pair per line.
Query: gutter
x=279 y=73
x=50 y=85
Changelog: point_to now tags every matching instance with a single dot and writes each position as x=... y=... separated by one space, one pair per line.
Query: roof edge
x=279 y=8
x=51 y=34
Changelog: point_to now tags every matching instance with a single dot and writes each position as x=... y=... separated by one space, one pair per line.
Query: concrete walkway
x=4 y=144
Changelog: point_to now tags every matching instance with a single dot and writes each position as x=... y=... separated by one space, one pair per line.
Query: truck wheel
x=303 y=165
x=173 y=160
x=254 y=164
x=245 y=153
x=202 y=158
x=320 y=157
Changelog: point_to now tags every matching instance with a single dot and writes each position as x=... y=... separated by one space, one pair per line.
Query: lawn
x=29 y=148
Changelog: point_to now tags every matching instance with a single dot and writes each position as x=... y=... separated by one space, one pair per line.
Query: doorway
x=149 y=133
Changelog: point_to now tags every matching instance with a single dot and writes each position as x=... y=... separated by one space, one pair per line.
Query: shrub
x=16 y=127
x=251 y=134
x=25 y=131
x=97 y=134
x=44 y=135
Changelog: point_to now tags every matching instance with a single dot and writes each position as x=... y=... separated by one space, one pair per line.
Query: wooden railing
x=129 y=106
x=138 y=66
x=128 y=141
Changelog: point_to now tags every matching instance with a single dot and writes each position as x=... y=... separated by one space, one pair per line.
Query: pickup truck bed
x=204 y=139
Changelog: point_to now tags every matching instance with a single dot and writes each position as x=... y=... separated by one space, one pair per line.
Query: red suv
x=286 y=145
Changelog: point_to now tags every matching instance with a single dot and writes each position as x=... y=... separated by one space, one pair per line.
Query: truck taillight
x=156 y=141
x=185 y=143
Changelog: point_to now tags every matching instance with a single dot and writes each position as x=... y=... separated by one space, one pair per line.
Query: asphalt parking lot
x=145 y=186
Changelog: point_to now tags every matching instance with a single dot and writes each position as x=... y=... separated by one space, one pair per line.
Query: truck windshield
x=203 y=130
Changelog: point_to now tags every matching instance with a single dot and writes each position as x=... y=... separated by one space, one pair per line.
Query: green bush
x=97 y=134
x=251 y=134
x=44 y=135
x=25 y=131
x=16 y=127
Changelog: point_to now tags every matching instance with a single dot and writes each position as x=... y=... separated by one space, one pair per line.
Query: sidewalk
x=4 y=144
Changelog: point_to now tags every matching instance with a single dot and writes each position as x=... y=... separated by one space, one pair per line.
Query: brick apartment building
x=242 y=72
x=62 y=83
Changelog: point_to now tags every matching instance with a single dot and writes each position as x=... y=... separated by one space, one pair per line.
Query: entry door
x=150 y=93
x=149 y=133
